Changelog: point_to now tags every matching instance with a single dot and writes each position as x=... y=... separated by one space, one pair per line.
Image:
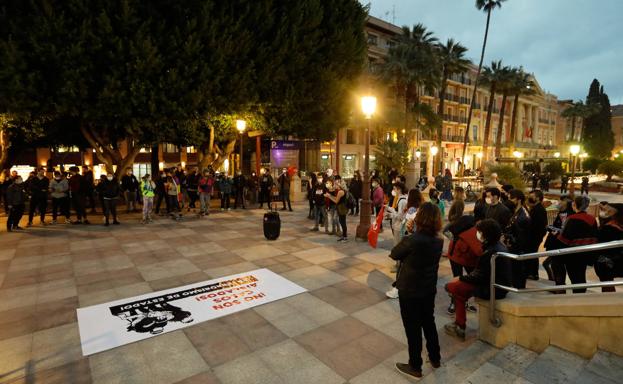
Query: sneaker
x=392 y=293
x=471 y=308
x=407 y=370
x=435 y=364
x=453 y=329
x=451 y=309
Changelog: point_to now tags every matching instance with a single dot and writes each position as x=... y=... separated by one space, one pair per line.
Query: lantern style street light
x=241 y=125
x=368 y=107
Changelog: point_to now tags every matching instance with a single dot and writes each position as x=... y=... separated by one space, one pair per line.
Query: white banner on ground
x=109 y=325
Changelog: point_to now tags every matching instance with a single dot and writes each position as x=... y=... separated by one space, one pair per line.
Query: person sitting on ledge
x=476 y=283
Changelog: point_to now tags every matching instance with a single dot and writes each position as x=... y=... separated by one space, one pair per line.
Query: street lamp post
x=368 y=106
x=433 y=151
x=241 y=125
x=517 y=155
x=574 y=150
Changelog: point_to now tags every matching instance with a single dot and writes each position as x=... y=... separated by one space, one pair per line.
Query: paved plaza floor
x=342 y=330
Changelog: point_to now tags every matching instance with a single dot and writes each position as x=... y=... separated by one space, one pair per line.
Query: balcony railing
x=455 y=118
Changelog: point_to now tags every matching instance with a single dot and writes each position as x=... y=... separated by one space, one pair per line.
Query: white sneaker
x=392 y=293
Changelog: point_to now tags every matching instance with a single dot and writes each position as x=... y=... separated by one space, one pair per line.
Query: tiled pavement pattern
x=342 y=330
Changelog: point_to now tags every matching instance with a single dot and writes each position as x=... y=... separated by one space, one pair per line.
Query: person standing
x=331 y=208
x=89 y=183
x=556 y=271
x=495 y=209
x=39 y=187
x=337 y=196
x=192 y=185
x=320 y=212
x=240 y=184
x=378 y=196
x=148 y=191
x=446 y=193
x=419 y=255
x=266 y=183
x=311 y=185
x=579 y=229
x=59 y=191
x=609 y=263
x=225 y=186
x=356 y=185
x=538 y=221
x=15 y=196
x=517 y=236
x=564 y=181
x=584 y=186
x=77 y=194
x=172 y=190
x=284 y=189
x=206 y=185
x=110 y=191
x=252 y=186
x=129 y=185
x=161 y=193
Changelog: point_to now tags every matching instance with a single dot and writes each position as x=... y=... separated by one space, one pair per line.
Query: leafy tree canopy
x=598 y=138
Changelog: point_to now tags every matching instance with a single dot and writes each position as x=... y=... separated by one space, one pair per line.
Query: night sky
x=565 y=43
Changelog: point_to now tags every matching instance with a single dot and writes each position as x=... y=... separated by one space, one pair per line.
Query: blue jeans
x=320 y=216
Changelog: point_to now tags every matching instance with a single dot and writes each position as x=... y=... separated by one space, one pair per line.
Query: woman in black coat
x=416 y=282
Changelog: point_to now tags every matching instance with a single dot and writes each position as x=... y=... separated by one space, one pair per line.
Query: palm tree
x=412 y=64
x=453 y=61
x=522 y=86
x=487 y=6
x=490 y=78
x=505 y=84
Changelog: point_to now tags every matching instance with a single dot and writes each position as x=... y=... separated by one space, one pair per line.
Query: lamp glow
x=479 y=155
x=517 y=154
x=434 y=150
x=418 y=153
x=241 y=125
x=368 y=106
x=557 y=154
x=574 y=149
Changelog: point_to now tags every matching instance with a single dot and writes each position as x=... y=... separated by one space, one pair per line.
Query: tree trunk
x=5 y=144
x=473 y=100
x=107 y=154
x=514 y=124
x=498 y=136
x=485 y=140
x=438 y=165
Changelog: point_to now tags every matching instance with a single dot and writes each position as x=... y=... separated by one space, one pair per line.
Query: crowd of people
x=504 y=219
x=73 y=196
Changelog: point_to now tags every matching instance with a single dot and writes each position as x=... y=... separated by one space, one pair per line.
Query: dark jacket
x=579 y=229
x=499 y=213
x=266 y=182
x=110 y=189
x=15 y=194
x=318 y=195
x=481 y=275
x=129 y=183
x=39 y=187
x=355 y=188
x=517 y=235
x=77 y=185
x=419 y=254
x=552 y=242
x=538 y=226
x=284 y=182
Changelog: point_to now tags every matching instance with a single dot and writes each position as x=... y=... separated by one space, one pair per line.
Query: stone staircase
x=480 y=363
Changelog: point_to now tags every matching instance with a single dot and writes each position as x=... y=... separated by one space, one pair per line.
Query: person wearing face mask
x=538 y=229
x=609 y=263
x=332 y=208
x=355 y=188
x=311 y=184
x=517 y=236
x=320 y=210
x=161 y=193
x=557 y=272
x=495 y=209
x=15 y=196
x=378 y=197
x=240 y=184
x=252 y=185
x=284 y=189
x=129 y=186
x=110 y=191
x=266 y=183
x=77 y=195
x=59 y=191
x=148 y=191
x=579 y=229
x=338 y=197
x=206 y=185
x=477 y=282
x=39 y=187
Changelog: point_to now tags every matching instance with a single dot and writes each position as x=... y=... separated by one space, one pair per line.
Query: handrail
x=496 y=321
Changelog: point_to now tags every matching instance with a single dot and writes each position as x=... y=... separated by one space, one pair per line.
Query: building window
x=72 y=148
x=373 y=39
x=191 y=149
x=350 y=136
x=145 y=150
x=475 y=132
x=170 y=148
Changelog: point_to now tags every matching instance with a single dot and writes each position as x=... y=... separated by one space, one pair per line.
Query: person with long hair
x=419 y=255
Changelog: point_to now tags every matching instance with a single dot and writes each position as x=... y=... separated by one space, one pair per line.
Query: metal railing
x=496 y=321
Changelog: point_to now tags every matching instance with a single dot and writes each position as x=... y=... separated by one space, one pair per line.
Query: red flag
x=373 y=232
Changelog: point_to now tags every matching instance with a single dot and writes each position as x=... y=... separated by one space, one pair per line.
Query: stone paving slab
x=342 y=330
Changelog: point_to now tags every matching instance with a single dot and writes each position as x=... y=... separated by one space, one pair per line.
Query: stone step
x=603 y=368
x=462 y=364
x=554 y=366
